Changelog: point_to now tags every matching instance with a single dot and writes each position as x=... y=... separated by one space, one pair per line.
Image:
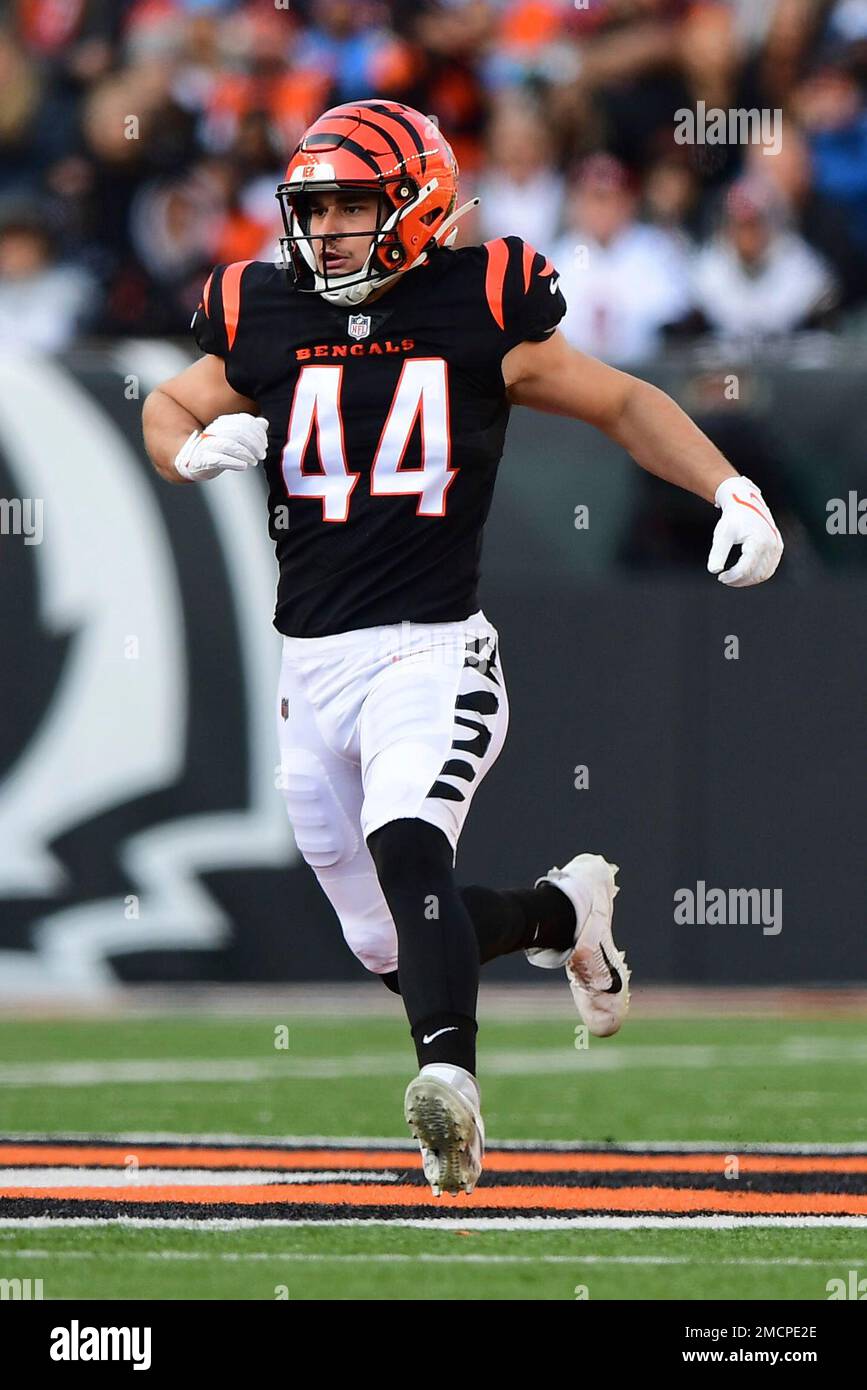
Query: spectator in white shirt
x=623 y=280
x=759 y=278
x=42 y=304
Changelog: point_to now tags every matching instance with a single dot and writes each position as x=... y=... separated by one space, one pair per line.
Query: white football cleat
x=442 y=1110
x=597 y=972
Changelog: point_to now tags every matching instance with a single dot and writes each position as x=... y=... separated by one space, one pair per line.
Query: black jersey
x=386 y=425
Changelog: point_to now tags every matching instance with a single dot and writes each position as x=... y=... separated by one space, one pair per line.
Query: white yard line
x=793 y=1051
x=238 y=1256
x=180 y=1177
x=289 y=1142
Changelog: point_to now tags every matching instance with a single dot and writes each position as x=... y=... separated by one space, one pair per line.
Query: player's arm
x=553 y=377
x=196 y=426
x=558 y=379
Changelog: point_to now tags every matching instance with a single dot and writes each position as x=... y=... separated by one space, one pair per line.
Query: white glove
x=233 y=442
x=746 y=521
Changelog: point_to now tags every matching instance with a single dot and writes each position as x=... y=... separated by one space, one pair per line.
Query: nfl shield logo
x=359 y=325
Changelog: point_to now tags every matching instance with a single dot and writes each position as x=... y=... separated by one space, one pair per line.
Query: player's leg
x=323 y=794
x=516 y=919
x=565 y=920
x=509 y=920
x=555 y=927
x=438 y=950
x=432 y=725
x=439 y=971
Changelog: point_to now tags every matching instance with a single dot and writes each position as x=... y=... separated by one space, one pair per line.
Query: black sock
x=513 y=920
x=518 y=918
x=439 y=954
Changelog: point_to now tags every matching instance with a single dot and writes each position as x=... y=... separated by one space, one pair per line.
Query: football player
x=373 y=371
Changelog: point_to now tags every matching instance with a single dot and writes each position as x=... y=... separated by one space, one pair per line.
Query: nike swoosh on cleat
x=428 y=1038
x=616 y=983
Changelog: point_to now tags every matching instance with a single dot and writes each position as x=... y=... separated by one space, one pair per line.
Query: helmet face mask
x=375 y=148
x=304 y=251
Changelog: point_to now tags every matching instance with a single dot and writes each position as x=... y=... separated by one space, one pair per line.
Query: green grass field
x=731 y=1082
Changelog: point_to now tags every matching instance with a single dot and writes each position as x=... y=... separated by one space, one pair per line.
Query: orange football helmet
x=376 y=146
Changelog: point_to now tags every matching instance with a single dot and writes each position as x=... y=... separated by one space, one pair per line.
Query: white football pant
x=379 y=724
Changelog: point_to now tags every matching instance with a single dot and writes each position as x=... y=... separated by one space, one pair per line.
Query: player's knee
x=323 y=833
x=375 y=950
x=408 y=853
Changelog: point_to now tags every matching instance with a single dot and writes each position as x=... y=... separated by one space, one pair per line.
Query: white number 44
x=422 y=390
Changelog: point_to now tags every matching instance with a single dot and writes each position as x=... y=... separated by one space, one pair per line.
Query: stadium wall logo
x=113 y=802
x=737 y=126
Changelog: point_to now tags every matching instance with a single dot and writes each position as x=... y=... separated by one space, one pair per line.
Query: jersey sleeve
x=522 y=292
x=215 y=324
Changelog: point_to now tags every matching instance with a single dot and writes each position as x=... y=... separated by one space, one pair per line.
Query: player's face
x=332 y=216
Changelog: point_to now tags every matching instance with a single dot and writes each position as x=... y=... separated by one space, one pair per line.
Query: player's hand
x=231 y=442
x=746 y=521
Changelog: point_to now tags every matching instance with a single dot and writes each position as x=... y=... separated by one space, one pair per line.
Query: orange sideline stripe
x=629 y=1199
x=670 y=1163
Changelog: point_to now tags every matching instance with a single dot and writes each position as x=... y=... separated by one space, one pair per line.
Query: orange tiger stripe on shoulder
x=529 y=257
x=231 y=288
x=206 y=295
x=495 y=277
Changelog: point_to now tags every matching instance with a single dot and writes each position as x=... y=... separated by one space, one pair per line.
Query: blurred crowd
x=141 y=142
